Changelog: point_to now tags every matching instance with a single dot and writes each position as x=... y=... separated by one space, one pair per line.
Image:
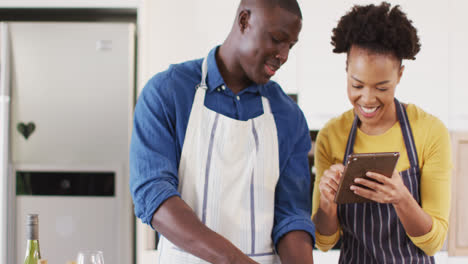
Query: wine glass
x=90 y=257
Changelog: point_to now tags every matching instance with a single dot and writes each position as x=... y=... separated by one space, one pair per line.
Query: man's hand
x=176 y=221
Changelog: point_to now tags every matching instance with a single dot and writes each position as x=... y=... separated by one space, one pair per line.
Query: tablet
x=357 y=167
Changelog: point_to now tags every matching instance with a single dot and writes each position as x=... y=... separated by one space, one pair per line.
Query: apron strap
x=351 y=139
x=407 y=134
x=199 y=100
x=266 y=105
x=204 y=72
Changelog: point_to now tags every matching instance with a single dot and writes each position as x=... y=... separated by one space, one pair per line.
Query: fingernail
x=352 y=187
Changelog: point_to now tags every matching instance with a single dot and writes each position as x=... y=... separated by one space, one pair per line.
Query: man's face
x=266 y=39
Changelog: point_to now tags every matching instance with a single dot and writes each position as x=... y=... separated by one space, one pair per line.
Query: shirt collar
x=214 y=78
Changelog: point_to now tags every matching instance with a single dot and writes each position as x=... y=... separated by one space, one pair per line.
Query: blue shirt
x=161 y=117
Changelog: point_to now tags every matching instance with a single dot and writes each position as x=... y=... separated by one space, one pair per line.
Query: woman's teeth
x=368 y=110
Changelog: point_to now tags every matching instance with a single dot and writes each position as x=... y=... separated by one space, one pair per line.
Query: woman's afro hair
x=379 y=29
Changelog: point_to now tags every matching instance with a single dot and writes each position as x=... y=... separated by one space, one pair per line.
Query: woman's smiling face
x=372 y=78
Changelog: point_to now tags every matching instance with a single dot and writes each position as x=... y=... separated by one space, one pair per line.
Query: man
x=219 y=152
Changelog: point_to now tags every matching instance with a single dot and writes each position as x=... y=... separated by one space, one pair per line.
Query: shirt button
x=219 y=90
x=223 y=87
x=238 y=98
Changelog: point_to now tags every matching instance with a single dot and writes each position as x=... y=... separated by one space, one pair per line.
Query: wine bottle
x=33 y=253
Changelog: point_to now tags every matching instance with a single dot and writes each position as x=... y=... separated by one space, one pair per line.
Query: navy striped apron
x=372 y=232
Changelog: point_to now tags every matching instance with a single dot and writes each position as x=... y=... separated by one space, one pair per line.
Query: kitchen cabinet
x=458 y=230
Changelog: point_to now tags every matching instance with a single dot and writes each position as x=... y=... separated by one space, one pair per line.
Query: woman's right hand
x=328 y=185
x=326 y=219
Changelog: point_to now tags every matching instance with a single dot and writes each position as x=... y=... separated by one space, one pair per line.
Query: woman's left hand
x=384 y=190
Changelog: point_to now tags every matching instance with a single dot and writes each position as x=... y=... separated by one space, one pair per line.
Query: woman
x=408 y=220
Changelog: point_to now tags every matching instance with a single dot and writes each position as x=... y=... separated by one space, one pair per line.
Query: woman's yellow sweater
x=434 y=153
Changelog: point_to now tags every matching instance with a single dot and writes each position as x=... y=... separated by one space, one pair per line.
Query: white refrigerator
x=66 y=106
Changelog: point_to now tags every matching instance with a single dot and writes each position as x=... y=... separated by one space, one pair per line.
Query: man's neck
x=230 y=68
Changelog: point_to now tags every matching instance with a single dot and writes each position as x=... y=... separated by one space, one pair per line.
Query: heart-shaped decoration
x=26 y=129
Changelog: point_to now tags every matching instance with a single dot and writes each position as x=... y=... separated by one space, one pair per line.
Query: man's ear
x=243 y=20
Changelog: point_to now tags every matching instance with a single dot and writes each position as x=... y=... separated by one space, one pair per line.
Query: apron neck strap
x=351 y=139
x=204 y=73
x=266 y=105
x=407 y=134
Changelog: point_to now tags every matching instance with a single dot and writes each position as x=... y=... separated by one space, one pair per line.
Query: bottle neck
x=33 y=253
x=32 y=232
x=32 y=249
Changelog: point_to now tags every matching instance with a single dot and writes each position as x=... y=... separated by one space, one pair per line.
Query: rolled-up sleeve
x=153 y=164
x=292 y=197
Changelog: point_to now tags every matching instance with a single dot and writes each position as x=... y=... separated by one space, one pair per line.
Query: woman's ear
x=400 y=72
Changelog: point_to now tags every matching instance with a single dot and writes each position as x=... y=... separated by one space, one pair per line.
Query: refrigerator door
x=71 y=110
x=71 y=91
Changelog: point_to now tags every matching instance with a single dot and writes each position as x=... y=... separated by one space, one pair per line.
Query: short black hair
x=289 y=5
x=380 y=29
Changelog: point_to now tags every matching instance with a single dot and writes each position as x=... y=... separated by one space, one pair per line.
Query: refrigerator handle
x=6 y=195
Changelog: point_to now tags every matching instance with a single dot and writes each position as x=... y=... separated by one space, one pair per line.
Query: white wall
x=458 y=65
x=434 y=81
x=182 y=30
x=176 y=31
x=425 y=82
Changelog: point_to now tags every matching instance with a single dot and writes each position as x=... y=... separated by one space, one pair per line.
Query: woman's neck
x=387 y=122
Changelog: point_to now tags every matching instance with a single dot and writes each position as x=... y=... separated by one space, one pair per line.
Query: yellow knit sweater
x=433 y=146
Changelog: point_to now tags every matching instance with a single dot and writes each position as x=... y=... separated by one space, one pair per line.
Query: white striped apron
x=227 y=174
